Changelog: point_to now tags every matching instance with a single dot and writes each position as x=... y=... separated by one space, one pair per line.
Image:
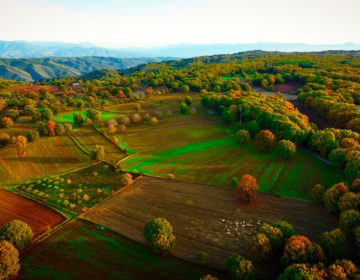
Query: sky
x=149 y=23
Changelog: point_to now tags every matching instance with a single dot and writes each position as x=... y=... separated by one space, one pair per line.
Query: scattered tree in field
x=148 y=92
x=253 y=128
x=67 y=127
x=286 y=229
x=9 y=260
x=265 y=141
x=208 y=277
x=97 y=153
x=51 y=127
x=275 y=236
x=332 y=242
x=32 y=136
x=239 y=268
x=234 y=182
x=184 y=88
x=349 y=220
x=126 y=179
x=12 y=114
x=46 y=114
x=260 y=247
x=332 y=196
x=184 y=109
x=20 y=144
x=188 y=100
x=125 y=120
x=247 y=187
x=122 y=128
x=317 y=193
x=7 y=122
x=136 y=118
x=59 y=129
x=93 y=115
x=153 y=121
x=137 y=107
x=79 y=119
x=17 y=233
x=147 y=117
x=244 y=136
x=286 y=149
x=159 y=233
x=202 y=257
x=349 y=201
x=4 y=139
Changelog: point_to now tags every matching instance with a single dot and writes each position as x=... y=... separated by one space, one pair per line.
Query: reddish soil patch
x=288 y=87
x=36 y=215
x=321 y=122
x=25 y=89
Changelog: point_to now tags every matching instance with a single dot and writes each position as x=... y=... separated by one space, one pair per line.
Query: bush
x=126 y=179
x=286 y=149
x=265 y=141
x=247 y=187
x=239 y=268
x=332 y=243
x=260 y=247
x=9 y=260
x=188 y=100
x=317 y=193
x=153 y=121
x=287 y=229
x=32 y=136
x=234 y=182
x=184 y=109
x=253 y=127
x=202 y=257
x=125 y=120
x=332 y=197
x=97 y=153
x=244 y=136
x=17 y=232
x=349 y=220
x=349 y=201
x=159 y=233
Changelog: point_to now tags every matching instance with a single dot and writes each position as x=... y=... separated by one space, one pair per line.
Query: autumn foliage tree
x=17 y=233
x=51 y=127
x=243 y=136
x=7 y=122
x=247 y=187
x=9 y=260
x=239 y=268
x=259 y=247
x=332 y=242
x=20 y=144
x=317 y=193
x=286 y=149
x=159 y=234
x=265 y=141
x=332 y=196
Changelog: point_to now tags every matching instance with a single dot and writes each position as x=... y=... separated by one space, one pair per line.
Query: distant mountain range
x=34 y=69
x=23 y=49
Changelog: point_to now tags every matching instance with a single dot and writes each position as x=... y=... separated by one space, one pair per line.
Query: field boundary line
x=78 y=144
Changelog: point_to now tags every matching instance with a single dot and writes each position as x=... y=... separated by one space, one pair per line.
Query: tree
x=332 y=196
x=286 y=229
x=301 y=271
x=153 y=121
x=51 y=127
x=349 y=201
x=265 y=141
x=59 y=129
x=17 y=233
x=97 y=153
x=9 y=260
x=239 y=268
x=227 y=117
x=317 y=193
x=184 y=88
x=234 y=181
x=20 y=143
x=148 y=92
x=208 y=277
x=336 y=272
x=244 y=136
x=12 y=114
x=46 y=114
x=79 y=119
x=275 y=236
x=67 y=127
x=183 y=108
x=32 y=136
x=332 y=242
x=349 y=220
x=337 y=157
x=125 y=120
x=7 y=122
x=4 y=139
x=159 y=233
x=93 y=115
x=202 y=257
x=260 y=247
x=253 y=127
x=349 y=267
x=126 y=179
x=247 y=187
x=286 y=149
x=136 y=118
x=188 y=100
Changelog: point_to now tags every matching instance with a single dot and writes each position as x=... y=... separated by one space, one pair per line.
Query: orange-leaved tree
x=20 y=143
x=247 y=187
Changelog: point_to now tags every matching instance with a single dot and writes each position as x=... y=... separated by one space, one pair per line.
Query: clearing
x=202 y=215
x=69 y=117
x=35 y=214
x=83 y=250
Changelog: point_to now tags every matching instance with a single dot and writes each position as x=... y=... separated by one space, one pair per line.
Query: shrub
x=97 y=153
x=188 y=100
x=125 y=120
x=244 y=136
x=153 y=121
x=17 y=232
x=286 y=149
x=247 y=187
x=126 y=179
x=287 y=229
x=136 y=118
x=275 y=236
x=159 y=233
x=184 y=109
x=349 y=220
x=260 y=247
x=9 y=260
x=337 y=157
x=349 y=201
x=202 y=257
x=332 y=197
x=239 y=268
x=32 y=136
x=332 y=243
x=317 y=192
x=265 y=141
x=253 y=127
x=147 y=117
x=234 y=182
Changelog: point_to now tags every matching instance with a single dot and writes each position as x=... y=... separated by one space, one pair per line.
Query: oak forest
x=230 y=166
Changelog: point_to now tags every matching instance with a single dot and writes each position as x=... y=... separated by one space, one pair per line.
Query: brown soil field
x=25 y=89
x=46 y=156
x=207 y=218
x=36 y=215
x=89 y=137
x=288 y=87
x=321 y=122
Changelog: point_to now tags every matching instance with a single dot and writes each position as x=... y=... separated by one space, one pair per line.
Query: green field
x=68 y=117
x=83 y=250
x=216 y=161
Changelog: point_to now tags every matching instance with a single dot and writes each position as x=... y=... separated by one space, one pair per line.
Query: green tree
x=12 y=114
x=337 y=157
x=239 y=268
x=286 y=149
x=332 y=196
x=17 y=232
x=260 y=248
x=317 y=193
x=202 y=257
x=184 y=88
x=253 y=128
x=159 y=234
x=234 y=182
x=46 y=114
x=349 y=220
x=79 y=119
x=183 y=108
x=188 y=100
x=97 y=153
x=332 y=243
x=244 y=136
x=4 y=139
x=93 y=115
x=286 y=229
x=275 y=236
